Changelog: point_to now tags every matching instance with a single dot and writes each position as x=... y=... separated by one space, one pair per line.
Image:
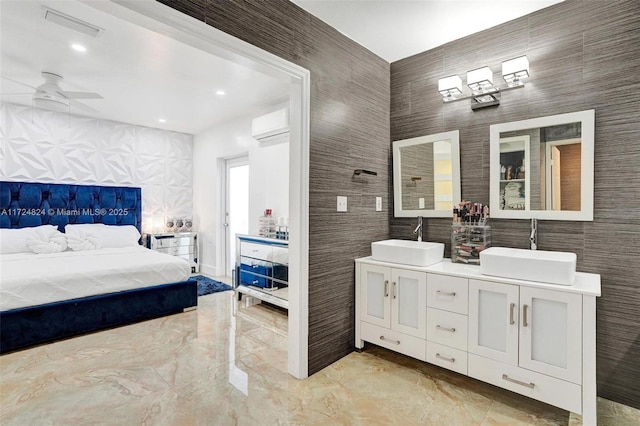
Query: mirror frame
x=454 y=137
x=587 y=120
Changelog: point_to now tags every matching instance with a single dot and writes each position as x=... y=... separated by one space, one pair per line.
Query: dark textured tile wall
x=349 y=130
x=583 y=55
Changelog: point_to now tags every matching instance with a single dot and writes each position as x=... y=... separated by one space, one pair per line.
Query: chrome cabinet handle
x=524 y=315
x=445 y=358
x=396 y=342
x=511 y=309
x=452 y=330
x=386 y=288
x=444 y=293
x=394 y=289
x=518 y=382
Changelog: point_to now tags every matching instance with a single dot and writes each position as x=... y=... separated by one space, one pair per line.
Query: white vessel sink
x=415 y=253
x=555 y=267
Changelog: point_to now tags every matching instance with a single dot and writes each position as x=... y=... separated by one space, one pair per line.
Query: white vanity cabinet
x=535 y=339
x=535 y=335
x=392 y=314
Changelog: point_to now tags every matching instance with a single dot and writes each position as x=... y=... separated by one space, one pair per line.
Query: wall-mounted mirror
x=426 y=175
x=543 y=168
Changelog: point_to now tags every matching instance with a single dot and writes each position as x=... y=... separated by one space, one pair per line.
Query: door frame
x=165 y=20
x=236 y=161
x=549 y=167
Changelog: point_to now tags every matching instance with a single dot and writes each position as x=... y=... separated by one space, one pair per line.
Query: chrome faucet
x=418 y=229
x=533 y=238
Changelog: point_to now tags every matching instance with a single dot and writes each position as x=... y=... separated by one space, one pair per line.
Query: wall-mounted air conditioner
x=271 y=128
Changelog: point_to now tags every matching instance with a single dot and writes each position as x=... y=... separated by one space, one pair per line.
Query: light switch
x=421 y=203
x=378 y=204
x=342 y=204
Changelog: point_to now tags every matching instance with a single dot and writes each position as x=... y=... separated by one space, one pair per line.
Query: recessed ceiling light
x=220 y=92
x=78 y=47
x=162 y=120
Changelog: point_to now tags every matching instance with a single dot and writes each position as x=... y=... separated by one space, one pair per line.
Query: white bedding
x=29 y=279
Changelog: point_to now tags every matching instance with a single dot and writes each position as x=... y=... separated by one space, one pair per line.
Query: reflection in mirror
x=514 y=165
x=426 y=175
x=544 y=165
x=555 y=153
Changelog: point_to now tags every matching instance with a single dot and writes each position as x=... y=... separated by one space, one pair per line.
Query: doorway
x=171 y=23
x=562 y=174
x=236 y=212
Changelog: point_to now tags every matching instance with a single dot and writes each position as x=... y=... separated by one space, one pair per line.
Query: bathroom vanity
x=533 y=338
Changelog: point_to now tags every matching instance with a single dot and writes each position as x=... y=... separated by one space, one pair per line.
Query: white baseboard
x=209 y=270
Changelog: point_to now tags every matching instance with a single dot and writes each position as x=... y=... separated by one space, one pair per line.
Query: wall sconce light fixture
x=450 y=86
x=480 y=81
x=514 y=70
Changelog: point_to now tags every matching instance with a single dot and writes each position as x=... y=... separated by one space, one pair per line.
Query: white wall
x=268 y=183
x=45 y=146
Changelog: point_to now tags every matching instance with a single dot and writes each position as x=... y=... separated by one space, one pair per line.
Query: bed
x=49 y=295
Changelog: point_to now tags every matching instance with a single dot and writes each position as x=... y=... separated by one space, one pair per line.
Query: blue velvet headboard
x=25 y=204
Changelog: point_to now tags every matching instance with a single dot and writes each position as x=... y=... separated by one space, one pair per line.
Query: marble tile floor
x=225 y=364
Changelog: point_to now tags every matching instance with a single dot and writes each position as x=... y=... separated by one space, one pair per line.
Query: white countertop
x=584 y=283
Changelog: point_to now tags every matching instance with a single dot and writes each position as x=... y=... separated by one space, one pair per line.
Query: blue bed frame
x=24 y=204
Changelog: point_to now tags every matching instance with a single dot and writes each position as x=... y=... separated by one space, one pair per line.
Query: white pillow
x=114 y=236
x=92 y=236
x=15 y=240
x=47 y=241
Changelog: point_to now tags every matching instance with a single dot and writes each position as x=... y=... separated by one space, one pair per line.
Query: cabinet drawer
x=446 y=357
x=159 y=243
x=171 y=241
x=448 y=293
x=559 y=393
x=182 y=250
x=447 y=328
x=256 y=266
x=256 y=251
x=183 y=242
x=248 y=278
x=177 y=251
x=394 y=340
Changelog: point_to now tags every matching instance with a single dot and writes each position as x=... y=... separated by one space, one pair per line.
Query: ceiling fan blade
x=12 y=94
x=75 y=104
x=80 y=95
x=18 y=82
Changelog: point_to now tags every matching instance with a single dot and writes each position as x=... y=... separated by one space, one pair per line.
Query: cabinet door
x=493 y=320
x=551 y=333
x=374 y=291
x=409 y=302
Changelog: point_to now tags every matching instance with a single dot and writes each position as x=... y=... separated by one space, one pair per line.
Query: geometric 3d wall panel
x=46 y=146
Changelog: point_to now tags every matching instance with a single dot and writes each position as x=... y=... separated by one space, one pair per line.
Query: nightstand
x=180 y=244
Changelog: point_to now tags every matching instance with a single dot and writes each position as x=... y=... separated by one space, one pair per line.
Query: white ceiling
x=142 y=75
x=396 y=29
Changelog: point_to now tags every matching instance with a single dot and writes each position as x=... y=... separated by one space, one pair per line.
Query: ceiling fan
x=50 y=95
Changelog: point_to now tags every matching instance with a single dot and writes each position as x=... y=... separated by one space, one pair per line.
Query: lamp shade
x=480 y=79
x=157 y=222
x=515 y=69
x=450 y=86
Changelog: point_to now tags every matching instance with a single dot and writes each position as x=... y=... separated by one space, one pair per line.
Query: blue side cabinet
x=262 y=269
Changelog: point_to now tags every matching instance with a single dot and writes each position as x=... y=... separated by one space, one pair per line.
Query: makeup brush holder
x=467 y=241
